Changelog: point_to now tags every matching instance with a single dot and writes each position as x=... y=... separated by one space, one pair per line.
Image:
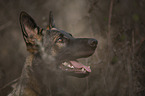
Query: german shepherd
x=52 y=52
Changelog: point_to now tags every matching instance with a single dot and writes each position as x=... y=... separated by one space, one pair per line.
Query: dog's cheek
x=60 y=45
x=54 y=50
x=57 y=48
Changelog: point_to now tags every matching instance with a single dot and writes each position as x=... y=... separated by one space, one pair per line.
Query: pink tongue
x=79 y=65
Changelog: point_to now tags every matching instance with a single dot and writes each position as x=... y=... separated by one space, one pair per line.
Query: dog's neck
x=37 y=76
x=40 y=66
x=32 y=76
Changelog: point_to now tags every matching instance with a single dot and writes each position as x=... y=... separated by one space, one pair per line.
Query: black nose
x=93 y=43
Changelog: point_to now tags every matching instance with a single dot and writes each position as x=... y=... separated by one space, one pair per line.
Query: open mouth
x=75 y=68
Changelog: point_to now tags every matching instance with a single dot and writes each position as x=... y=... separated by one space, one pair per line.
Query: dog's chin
x=79 y=75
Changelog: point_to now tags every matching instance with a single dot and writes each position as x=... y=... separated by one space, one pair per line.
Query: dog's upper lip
x=79 y=65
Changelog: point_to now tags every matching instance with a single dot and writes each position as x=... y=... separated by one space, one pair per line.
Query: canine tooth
x=71 y=66
x=68 y=65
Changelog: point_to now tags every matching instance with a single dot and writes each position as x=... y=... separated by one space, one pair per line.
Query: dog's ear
x=30 y=31
x=51 y=21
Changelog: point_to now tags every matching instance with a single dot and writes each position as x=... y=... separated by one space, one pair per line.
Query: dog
x=52 y=52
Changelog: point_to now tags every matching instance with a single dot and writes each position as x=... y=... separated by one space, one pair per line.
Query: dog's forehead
x=57 y=31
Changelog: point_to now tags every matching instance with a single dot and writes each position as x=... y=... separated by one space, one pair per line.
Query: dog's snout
x=93 y=42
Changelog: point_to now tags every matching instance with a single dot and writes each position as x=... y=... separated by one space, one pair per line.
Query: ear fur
x=30 y=31
x=51 y=21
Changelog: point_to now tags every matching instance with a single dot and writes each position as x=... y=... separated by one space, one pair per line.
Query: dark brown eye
x=60 y=40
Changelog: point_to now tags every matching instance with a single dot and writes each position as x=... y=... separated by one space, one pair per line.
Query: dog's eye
x=60 y=40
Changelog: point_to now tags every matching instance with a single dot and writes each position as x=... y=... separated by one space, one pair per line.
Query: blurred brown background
x=118 y=65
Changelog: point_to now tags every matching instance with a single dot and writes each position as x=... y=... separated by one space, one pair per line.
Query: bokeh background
x=118 y=65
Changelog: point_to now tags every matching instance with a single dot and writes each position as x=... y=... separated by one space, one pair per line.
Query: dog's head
x=62 y=46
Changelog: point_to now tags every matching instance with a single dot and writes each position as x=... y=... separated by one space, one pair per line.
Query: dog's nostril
x=93 y=42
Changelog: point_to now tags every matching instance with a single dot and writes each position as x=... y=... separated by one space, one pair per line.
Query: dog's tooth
x=65 y=64
x=72 y=66
x=83 y=69
x=69 y=65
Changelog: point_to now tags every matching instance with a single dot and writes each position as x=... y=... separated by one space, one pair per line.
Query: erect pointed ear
x=51 y=23
x=30 y=31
